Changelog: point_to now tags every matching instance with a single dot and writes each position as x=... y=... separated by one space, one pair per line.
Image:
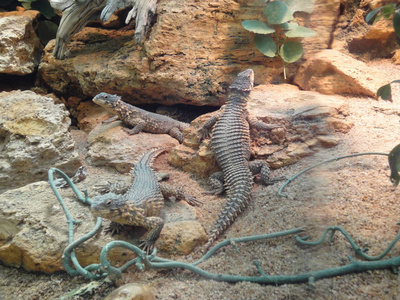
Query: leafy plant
x=281 y=27
x=41 y=5
x=385 y=91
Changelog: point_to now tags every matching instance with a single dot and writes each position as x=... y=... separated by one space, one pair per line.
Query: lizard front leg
x=136 y=129
x=260 y=125
x=154 y=225
x=175 y=132
x=169 y=191
x=110 y=120
x=204 y=132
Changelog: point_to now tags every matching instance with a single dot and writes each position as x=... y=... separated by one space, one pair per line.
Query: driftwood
x=76 y=14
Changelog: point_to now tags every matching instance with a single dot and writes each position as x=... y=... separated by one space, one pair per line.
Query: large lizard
x=139 y=119
x=142 y=203
x=230 y=142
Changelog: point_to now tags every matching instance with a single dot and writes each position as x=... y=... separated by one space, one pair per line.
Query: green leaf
x=291 y=51
x=44 y=7
x=26 y=5
x=265 y=44
x=396 y=22
x=277 y=12
x=47 y=31
x=257 y=27
x=372 y=14
x=288 y=26
x=300 y=31
x=300 y=5
x=385 y=92
x=394 y=163
x=388 y=10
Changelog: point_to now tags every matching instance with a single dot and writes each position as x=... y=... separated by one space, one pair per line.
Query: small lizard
x=139 y=119
x=230 y=142
x=142 y=203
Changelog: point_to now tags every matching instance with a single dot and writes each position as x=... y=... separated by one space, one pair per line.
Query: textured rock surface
x=33 y=137
x=109 y=145
x=33 y=229
x=192 y=53
x=20 y=48
x=311 y=122
x=331 y=72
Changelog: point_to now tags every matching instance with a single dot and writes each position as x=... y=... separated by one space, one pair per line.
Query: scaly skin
x=230 y=142
x=142 y=203
x=138 y=118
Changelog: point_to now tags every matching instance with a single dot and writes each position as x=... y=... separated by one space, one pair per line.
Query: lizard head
x=106 y=205
x=244 y=81
x=106 y=100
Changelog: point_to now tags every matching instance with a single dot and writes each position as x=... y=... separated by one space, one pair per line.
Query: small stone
x=132 y=291
x=181 y=237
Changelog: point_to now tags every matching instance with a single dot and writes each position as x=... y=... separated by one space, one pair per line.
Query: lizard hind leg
x=261 y=167
x=217 y=182
x=155 y=225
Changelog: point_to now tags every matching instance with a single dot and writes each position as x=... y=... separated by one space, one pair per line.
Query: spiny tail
x=238 y=199
x=147 y=159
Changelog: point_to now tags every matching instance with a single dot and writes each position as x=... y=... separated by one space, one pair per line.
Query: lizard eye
x=108 y=202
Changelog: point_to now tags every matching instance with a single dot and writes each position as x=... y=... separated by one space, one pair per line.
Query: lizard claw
x=203 y=134
x=147 y=246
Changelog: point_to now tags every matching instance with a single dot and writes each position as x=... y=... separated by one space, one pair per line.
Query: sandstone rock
x=181 y=237
x=33 y=137
x=132 y=291
x=20 y=48
x=396 y=57
x=109 y=145
x=331 y=72
x=378 y=41
x=90 y=115
x=322 y=20
x=310 y=122
x=191 y=55
x=34 y=231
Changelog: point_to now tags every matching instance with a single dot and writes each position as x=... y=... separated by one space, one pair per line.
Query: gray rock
x=33 y=137
x=109 y=145
x=20 y=48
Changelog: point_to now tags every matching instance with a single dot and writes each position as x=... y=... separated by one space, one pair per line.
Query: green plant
x=385 y=91
x=275 y=38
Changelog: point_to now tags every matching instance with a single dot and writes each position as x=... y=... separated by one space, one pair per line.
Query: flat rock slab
x=20 y=48
x=33 y=229
x=331 y=72
x=34 y=136
x=109 y=145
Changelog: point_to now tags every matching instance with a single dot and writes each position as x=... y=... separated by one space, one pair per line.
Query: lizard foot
x=147 y=245
x=193 y=201
x=113 y=228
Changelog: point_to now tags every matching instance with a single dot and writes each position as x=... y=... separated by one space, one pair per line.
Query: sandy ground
x=354 y=193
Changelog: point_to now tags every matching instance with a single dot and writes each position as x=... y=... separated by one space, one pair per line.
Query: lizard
x=142 y=203
x=139 y=119
x=230 y=142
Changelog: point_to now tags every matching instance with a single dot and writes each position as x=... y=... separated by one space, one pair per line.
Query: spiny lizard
x=139 y=119
x=230 y=142
x=142 y=203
